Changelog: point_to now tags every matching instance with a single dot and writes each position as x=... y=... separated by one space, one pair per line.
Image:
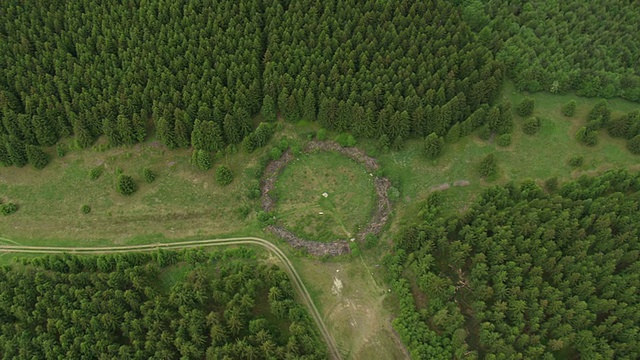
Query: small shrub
x=275 y=153
x=126 y=185
x=488 y=166
x=576 y=161
x=525 y=108
x=8 y=208
x=551 y=184
x=504 y=140
x=634 y=145
x=484 y=133
x=149 y=175
x=355 y=249
x=265 y=218
x=569 y=109
x=253 y=192
x=586 y=136
x=346 y=140
x=283 y=145
x=95 y=173
x=85 y=209
x=531 y=126
x=393 y=193
x=224 y=176
x=321 y=135
x=244 y=211
x=370 y=241
x=61 y=150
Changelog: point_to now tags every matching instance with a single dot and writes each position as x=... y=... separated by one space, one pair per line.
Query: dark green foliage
x=531 y=126
x=625 y=126
x=5 y=159
x=383 y=143
x=148 y=175
x=576 y=161
x=586 y=136
x=36 y=157
x=192 y=304
x=201 y=159
x=527 y=271
x=569 y=109
x=224 y=176
x=16 y=151
x=488 y=166
x=432 y=146
x=265 y=218
x=600 y=112
x=484 y=133
x=454 y=133
x=207 y=136
x=85 y=209
x=309 y=107
x=525 y=108
x=269 y=108
x=8 y=208
x=559 y=47
x=126 y=185
x=504 y=140
x=95 y=172
x=634 y=145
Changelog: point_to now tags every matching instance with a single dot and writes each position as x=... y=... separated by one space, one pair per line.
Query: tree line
x=116 y=306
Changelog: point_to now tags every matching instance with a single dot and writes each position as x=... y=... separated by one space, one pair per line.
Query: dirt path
x=378 y=218
x=293 y=273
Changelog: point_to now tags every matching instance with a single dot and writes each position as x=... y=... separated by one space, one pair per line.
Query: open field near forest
x=303 y=208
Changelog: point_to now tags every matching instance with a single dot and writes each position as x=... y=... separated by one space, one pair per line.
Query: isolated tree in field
x=531 y=126
x=149 y=175
x=201 y=159
x=224 y=176
x=126 y=185
x=36 y=157
x=569 y=109
x=432 y=146
x=488 y=166
x=587 y=137
x=525 y=108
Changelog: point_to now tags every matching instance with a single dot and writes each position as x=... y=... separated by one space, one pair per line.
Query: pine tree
x=201 y=159
x=433 y=146
x=224 y=176
x=231 y=130
x=525 y=108
x=16 y=151
x=126 y=185
x=125 y=130
x=83 y=136
x=488 y=166
x=309 y=112
x=140 y=128
x=44 y=131
x=268 y=109
x=164 y=132
x=36 y=156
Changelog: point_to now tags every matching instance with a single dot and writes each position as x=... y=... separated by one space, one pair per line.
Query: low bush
x=504 y=140
x=224 y=176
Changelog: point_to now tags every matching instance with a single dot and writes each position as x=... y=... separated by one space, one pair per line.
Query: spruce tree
x=44 y=131
x=525 y=108
x=16 y=151
x=432 y=146
x=309 y=112
x=36 y=156
x=268 y=109
x=126 y=185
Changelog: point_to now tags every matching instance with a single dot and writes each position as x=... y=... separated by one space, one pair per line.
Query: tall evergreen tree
x=268 y=109
x=36 y=156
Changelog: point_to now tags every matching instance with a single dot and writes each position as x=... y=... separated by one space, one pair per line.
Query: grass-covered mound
x=167 y=305
x=526 y=274
x=303 y=208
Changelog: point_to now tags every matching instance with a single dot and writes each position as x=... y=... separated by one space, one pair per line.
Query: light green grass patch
x=302 y=208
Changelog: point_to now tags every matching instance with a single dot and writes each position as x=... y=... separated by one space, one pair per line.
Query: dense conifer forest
x=116 y=306
x=525 y=273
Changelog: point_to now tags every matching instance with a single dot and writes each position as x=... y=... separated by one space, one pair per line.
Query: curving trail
x=297 y=281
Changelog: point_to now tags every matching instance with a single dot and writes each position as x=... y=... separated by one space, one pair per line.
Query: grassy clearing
x=302 y=208
x=539 y=157
x=182 y=202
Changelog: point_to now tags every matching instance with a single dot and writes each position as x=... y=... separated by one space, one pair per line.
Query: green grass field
x=302 y=208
